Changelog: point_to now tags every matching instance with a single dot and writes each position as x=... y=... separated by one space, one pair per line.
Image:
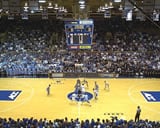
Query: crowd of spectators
x=76 y=123
x=30 y=50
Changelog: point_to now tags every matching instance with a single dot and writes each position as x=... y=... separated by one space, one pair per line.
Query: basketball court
x=27 y=97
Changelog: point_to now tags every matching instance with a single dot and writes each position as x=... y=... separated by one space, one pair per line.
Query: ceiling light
x=110 y=5
x=56 y=6
x=50 y=5
x=117 y=0
x=82 y=6
x=61 y=9
x=41 y=1
x=120 y=7
x=105 y=6
x=81 y=2
x=102 y=9
x=40 y=8
x=26 y=6
x=65 y=10
x=98 y=10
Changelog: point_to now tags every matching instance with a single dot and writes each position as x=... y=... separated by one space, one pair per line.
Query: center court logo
x=79 y=98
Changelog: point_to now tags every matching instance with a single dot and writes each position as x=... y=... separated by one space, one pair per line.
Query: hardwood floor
x=121 y=100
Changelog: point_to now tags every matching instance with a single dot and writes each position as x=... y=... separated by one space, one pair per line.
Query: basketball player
x=96 y=86
x=86 y=99
x=73 y=97
x=58 y=81
x=78 y=84
x=48 y=90
x=85 y=82
x=83 y=88
x=106 y=85
x=95 y=92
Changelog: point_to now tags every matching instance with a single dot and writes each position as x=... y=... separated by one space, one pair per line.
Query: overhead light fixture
x=120 y=7
x=40 y=8
x=61 y=9
x=105 y=6
x=56 y=7
x=26 y=6
x=110 y=5
x=50 y=5
x=98 y=10
x=65 y=10
x=117 y=1
x=41 y=1
x=81 y=2
x=101 y=9
x=82 y=6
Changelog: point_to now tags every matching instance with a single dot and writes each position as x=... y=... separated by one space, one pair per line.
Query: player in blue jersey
x=48 y=89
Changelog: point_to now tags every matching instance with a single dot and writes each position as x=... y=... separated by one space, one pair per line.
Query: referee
x=138 y=112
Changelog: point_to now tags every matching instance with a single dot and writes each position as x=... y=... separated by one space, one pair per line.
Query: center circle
x=80 y=98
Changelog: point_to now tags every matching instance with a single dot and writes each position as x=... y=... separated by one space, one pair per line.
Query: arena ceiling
x=71 y=8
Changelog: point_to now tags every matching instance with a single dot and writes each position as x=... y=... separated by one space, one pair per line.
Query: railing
x=147 y=74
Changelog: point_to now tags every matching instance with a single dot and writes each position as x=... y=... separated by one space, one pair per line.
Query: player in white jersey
x=95 y=92
x=73 y=97
x=85 y=82
x=83 y=88
x=85 y=99
x=106 y=85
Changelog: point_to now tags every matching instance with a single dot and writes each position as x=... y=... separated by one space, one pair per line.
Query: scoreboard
x=79 y=34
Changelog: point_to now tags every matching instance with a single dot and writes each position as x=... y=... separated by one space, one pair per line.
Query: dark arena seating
x=37 y=48
x=76 y=123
